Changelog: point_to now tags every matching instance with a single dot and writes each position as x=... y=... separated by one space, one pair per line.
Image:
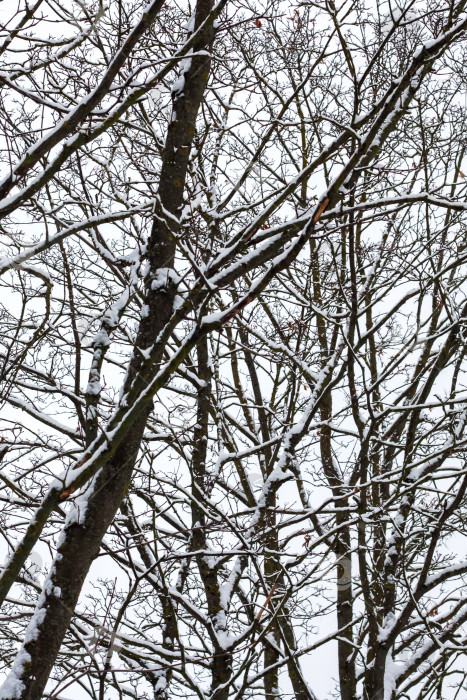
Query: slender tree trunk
x=221 y=667
x=271 y=574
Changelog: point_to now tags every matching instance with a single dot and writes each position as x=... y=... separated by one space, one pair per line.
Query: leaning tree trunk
x=83 y=532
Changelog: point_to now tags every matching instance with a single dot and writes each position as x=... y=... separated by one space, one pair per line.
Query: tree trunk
x=84 y=530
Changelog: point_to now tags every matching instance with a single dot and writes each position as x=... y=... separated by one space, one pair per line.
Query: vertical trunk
x=83 y=533
x=161 y=679
x=299 y=684
x=281 y=629
x=342 y=548
x=374 y=682
x=347 y=675
x=271 y=575
x=221 y=661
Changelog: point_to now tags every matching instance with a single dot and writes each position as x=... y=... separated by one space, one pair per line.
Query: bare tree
x=233 y=337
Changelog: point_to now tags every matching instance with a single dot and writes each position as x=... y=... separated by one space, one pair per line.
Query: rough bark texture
x=81 y=538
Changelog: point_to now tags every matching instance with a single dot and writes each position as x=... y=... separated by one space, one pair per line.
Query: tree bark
x=84 y=530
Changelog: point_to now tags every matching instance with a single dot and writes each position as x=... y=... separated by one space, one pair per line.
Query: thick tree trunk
x=83 y=533
x=374 y=682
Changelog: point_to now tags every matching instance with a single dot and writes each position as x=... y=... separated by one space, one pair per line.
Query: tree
x=233 y=349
